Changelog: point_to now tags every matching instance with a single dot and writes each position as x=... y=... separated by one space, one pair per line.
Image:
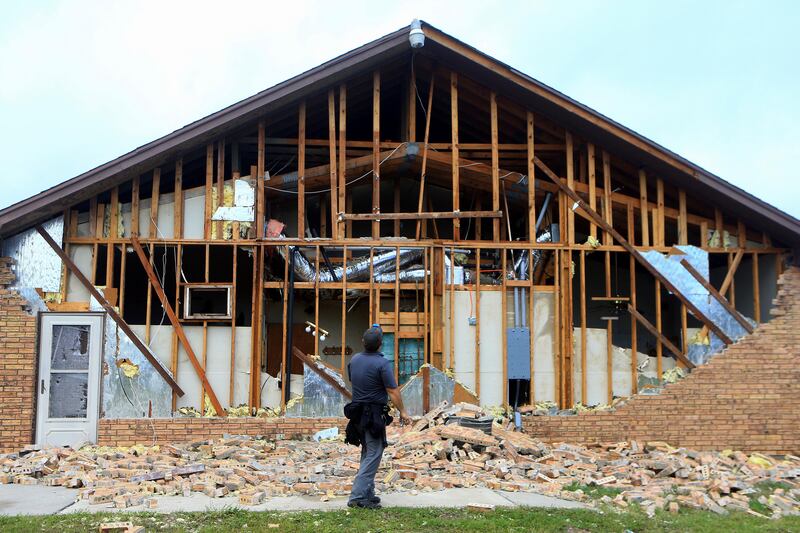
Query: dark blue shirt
x=371 y=374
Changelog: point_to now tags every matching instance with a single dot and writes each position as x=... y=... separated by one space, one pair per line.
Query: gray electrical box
x=518 y=342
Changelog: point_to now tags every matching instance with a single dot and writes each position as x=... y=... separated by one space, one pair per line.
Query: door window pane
x=70 y=347
x=69 y=394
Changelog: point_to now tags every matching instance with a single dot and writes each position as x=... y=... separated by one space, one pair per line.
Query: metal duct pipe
x=357 y=270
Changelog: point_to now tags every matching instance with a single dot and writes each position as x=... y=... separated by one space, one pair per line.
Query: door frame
x=40 y=416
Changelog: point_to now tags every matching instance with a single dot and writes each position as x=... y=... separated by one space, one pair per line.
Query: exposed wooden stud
x=609 y=335
x=592 y=186
x=704 y=235
x=741 y=234
x=232 y=383
x=634 y=344
x=478 y=322
x=220 y=184
x=504 y=323
x=532 y=334
x=608 y=213
x=334 y=194
x=719 y=226
x=286 y=373
x=397 y=317
x=93 y=218
x=134 y=206
x=659 y=234
x=174 y=367
x=583 y=325
x=570 y=218
x=208 y=192
x=644 y=211
x=177 y=230
x=684 y=330
x=316 y=297
x=113 y=208
x=376 y=161
x=255 y=314
x=396 y=228
x=122 y=265
x=454 y=151
x=259 y=175
x=323 y=215
x=344 y=309
x=113 y=233
x=683 y=228
x=146 y=352
x=425 y=152
x=495 y=166
x=341 y=202
x=452 y=286
x=149 y=301
x=531 y=185
x=301 y=171
x=756 y=291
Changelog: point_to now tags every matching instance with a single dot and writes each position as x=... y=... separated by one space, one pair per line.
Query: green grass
x=593 y=491
x=765 y=488
x=403 y=519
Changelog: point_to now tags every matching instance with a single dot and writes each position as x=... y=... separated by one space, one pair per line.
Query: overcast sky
x=84 y=82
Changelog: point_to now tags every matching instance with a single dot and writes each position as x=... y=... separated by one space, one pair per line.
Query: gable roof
x=524 y=89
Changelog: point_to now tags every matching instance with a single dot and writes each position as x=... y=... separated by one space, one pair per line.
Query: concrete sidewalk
x=35 y=499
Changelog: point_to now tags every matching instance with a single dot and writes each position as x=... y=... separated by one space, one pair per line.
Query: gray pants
x=364 y=482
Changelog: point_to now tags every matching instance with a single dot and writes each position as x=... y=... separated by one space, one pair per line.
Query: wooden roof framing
x=516 y=92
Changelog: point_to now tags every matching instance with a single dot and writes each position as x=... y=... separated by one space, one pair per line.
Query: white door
x=70 y=352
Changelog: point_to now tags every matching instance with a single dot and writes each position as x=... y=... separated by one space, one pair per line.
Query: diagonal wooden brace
x=149 y=355
x=312 y=364
x=605 y=226
x=660 y=336
x=173 y=318
x=717 y=296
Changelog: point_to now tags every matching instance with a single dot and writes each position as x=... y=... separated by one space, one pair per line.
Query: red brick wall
x=746 y=398
x=126 y=432
x=17 y=365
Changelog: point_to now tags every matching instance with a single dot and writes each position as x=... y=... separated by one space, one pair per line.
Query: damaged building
x=517 y=248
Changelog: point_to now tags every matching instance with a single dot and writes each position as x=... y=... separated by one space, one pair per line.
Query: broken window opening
x=207 y=302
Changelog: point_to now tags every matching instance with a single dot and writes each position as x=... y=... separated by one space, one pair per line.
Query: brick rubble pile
x=438 y=451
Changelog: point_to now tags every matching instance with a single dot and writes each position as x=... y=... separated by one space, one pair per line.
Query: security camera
x=416 y=37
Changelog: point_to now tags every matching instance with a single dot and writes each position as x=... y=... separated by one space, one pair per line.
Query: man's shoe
x=364 y=504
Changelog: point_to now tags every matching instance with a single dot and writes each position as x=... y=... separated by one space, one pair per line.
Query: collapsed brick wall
x=129 y=431
x=17 y=365
x=746 y=398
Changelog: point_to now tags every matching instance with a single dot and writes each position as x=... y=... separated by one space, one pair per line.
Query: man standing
x=373 y=384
